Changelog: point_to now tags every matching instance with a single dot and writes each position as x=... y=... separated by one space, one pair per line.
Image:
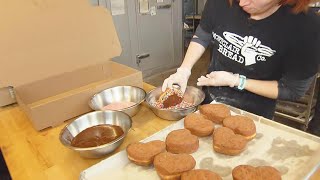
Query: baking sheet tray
x=294 y=153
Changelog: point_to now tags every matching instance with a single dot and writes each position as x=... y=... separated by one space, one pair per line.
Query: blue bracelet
x=242 y=82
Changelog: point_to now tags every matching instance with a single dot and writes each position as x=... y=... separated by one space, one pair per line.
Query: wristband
x=242 y=82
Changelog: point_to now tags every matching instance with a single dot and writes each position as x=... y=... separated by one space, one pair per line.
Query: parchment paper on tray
x=294 y=153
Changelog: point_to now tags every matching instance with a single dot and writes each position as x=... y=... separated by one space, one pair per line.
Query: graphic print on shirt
x=246 y=49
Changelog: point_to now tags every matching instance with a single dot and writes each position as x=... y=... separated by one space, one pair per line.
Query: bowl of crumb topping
x=191 y=99
x=126 y=99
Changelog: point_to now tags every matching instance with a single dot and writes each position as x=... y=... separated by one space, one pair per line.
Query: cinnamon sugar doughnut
x=143 y=153
x=200 y=174
x=225 y=141
x=198 y=125
x=182 y=141
x=247 y=172
x=171 y=166
x=215 y=112
x=241 y=125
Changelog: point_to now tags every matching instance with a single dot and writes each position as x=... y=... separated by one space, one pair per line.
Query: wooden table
x=32 y=155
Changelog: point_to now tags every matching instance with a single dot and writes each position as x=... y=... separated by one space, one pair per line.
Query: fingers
x=202 y=78
x=204 y=81
x=164 y=85
x=183 y=87
x=218 y=78
x=215 y=74
x=211 y=75
x=252 y=40
x=171 y=82
x=167 y=83
x=245 y=39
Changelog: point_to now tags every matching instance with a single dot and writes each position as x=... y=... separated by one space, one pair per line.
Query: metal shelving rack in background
x=193 y=15
x=192 y=20
x=302 y=110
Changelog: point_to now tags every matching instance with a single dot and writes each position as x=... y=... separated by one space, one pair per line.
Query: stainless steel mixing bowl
x=119 y=94
x=92 y=119
x=192 y=95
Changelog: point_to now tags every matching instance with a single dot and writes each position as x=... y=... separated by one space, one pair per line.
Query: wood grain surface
x=32 y=155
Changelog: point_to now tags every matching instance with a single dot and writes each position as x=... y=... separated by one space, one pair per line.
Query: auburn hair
x=296 y=5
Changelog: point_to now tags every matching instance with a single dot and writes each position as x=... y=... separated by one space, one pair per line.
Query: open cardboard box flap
x=56 y=54
x=40 y=39
x=50 y=102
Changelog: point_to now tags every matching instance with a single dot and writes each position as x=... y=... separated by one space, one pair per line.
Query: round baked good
x=225 y=141
x=241 y=125
x=215 y=112
x=182 y=141
x=143 y=153
x=247 y=172
x=268 y=173
x=198 y=125
x=171 y=166
x=171 y=97
x=200 y=174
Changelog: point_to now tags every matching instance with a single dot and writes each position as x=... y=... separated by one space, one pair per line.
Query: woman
x=263 y=50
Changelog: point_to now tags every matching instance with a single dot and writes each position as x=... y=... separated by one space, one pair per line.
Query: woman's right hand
x=179 y=78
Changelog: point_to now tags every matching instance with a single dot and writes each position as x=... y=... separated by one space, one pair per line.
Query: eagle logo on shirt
x=250 y=48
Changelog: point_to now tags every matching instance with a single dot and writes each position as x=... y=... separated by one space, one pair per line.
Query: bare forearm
x=267 y=89
x=193 y=54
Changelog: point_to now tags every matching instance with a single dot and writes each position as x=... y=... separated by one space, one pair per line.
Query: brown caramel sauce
x=96 y=136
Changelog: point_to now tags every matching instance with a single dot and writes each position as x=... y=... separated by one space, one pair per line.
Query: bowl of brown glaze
x=96 y=134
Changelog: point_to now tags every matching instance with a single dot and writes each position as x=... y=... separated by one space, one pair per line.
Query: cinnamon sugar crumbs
x=183 y=104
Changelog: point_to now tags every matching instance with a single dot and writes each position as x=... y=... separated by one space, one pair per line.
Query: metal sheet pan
x=294 y=153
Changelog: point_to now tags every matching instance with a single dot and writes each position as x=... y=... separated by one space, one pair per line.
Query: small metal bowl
x=92 y=119
x=192 y=95
x=119 y=94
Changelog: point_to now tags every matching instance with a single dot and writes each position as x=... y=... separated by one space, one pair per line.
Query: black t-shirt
x=283 y=44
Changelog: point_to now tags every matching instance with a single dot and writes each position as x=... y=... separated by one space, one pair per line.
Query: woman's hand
x=219 y=78
x=180 y=78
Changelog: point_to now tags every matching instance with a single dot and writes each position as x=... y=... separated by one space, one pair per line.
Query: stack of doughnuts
x=232 y=138
x=172 y=159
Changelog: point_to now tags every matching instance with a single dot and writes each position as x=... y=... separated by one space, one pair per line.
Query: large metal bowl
x=119 y=94
x=92 y=119
x=192 y=95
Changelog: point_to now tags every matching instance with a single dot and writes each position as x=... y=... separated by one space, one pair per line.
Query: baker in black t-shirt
x=263 y=50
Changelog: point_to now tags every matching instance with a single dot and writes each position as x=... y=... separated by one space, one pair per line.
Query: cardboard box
x=51 y=101
x=7 y=96
x=57 y=56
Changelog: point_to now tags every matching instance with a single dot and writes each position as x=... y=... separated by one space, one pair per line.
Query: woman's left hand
x=219 y=78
